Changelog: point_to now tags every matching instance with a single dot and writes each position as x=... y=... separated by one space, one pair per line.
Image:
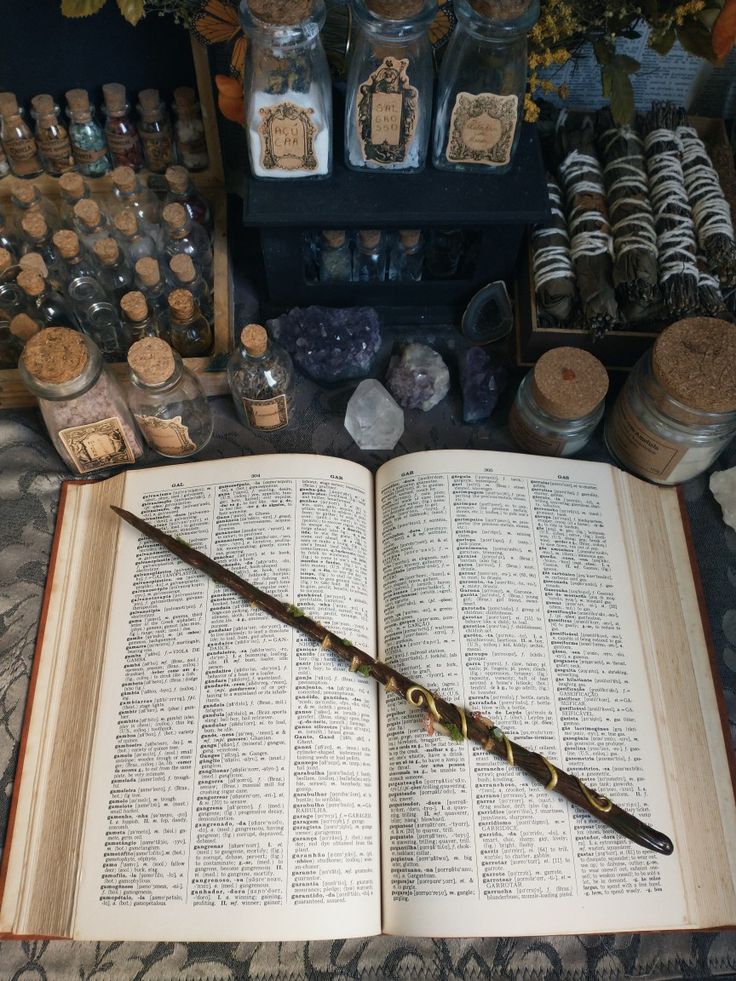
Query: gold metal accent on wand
x=552 y=774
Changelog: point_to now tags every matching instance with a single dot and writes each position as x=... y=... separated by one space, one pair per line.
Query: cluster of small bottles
x=93 y=149
x=406 y=255
x=117 y=269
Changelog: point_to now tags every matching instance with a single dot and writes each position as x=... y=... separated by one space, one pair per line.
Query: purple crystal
x=329 y=344
x=418 y=378
x=483 y=378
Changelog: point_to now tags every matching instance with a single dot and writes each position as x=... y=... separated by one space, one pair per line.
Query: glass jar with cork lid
x=677 y=409
x=17 y=140
x=121 y=133
x=559 y=402
x=88 y=141
x=261 y=379
x=155 y=131
x=167 y=400
x=51 y=136
x=82 y=405
x=189 y=331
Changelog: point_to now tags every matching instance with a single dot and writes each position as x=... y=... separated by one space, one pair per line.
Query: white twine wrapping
x=625 y=177
x=711 y=212
x=670 y=204
x=552 y=261
x=582 y=175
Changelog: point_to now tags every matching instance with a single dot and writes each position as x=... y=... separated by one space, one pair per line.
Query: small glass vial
x=10 y=347
x=190 y=332
x=182 y=235
x=135 y=243
x=83 y=407
x=369 y=258
x=39 y=241
x=288 y=89
x=129 y=192
x=116 y=273
x=45 y=303
x=4 y=165
x=389 y=86
x=184 y=275
x=21 y=329
x=189 y=135
x=167 y=400
x=140 y=321
x=406 y=262
x=481 y=84
x=335 y=260
x=155 y=130
x=73 y=260
x=677 y=409
x=13 y=299
x=18 y=142
x=102 y=323
x=90 y=223
x=559 y=402
x=27 y=198
x=121 y=133
x=182 y=191
x=261 y=379
x=88 y=141
x=51 y=136
x=149 y=281
x=73 y=188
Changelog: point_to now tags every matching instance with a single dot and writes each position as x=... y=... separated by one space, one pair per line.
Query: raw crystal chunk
x=329 y=344
x=372 y=417
x=723 y=486
x=418 y=378
x=483 y=378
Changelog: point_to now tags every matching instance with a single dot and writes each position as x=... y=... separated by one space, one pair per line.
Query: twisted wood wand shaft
x=458 y=722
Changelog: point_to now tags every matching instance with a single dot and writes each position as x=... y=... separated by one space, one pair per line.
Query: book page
x=503 y=585
x=235 y=770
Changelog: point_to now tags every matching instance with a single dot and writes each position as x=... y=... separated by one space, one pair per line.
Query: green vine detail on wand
x=454 y=719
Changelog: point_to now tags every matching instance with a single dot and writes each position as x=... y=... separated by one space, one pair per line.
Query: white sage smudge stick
x=710 y=297
x=554 y=278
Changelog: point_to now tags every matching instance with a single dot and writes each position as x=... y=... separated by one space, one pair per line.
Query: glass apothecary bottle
x=261 y=379
x=189 y=331
x=51 y=136
x=182 y=235
x=369 y=257
x=88 y=141
x=17 y=140
x=189 y=135
x=121 y=132
x=677 y=409
x=140 y=320
x=148 y=280
x=406 y=260
x=288 y=89
x=335 y=258
x=480 y=89
x=559 y=402
x=388 y=108
x=82 y=405
x=182 y=191
x=116 y=272
x=155 y=131
x=167 y=400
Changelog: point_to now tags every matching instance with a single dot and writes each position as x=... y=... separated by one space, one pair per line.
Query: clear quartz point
x=373 y=418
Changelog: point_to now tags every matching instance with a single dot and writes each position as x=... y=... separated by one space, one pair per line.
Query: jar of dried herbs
x=82 y=405
x=261 y=379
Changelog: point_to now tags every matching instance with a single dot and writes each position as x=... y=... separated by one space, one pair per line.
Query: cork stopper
x=106 y=250
x=34 y=225
x=409 y=236
x=149 y=100
x=88 y=212
x=280 y=11
x=395 y=9
x=6 y=260
x=72 y=184
x=35 y=263
x=126 y=222
x=44 y=105
x=254 y=339
x=177 y=178
x=694 y=360
x=183 y=268
x=148 y=271
x=23 y=192
x=23 y=327
x=78 y=100
x=55 y=355
x=134 y=306
x=174 y=215
x=114 y=95
x=152 y=360
x=569 y=383
x=123 y=178
x=334 y=237
x=8 y=104
x=30 y=282
x=500 y=10
x=67 y=242
x=185 y=97
x=370 y=237
x=181 y=304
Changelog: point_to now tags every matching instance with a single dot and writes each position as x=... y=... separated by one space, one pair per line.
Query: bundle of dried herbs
x=710 y=298
x=711 y=211
x=554 y=279
x=632 y=221
x=591 y=244
x=678 y=271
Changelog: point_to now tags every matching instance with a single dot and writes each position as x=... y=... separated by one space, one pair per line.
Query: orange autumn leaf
x=230 y=98
x=724 y=30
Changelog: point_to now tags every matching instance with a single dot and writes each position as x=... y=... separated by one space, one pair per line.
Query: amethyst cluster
x=329 y=344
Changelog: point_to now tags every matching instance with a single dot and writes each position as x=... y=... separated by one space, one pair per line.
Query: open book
x=194 y=770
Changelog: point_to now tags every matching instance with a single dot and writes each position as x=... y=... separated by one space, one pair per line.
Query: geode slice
x=329 y=344
x=483 y=378
x=418 y=378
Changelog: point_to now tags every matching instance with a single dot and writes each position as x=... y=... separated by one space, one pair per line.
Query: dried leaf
x=724 y=30
x=618 y=89
x=661 y=41
x=81 y=8
x=697 y=39
x=132 y=10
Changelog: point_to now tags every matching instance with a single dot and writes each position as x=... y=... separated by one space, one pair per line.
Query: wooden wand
x=457 y=722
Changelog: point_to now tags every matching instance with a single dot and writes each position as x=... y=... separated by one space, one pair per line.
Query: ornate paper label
x=636 y=446
x=387 y=112
x=531 y=440
x=97 y=445
x=169 y=436
x=287 y=137
x=159 y=150
x=267 y=414
x=482 y=128
x=20 y=148
x=84 y=156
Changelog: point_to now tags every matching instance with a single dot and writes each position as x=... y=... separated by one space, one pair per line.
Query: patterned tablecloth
x=30 y=476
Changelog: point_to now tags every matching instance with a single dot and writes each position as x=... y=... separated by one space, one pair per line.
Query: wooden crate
x=210 y=369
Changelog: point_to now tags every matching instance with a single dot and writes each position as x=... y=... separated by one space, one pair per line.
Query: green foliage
x=365 y=670
x=132 y=10
x=81 y=8
x=295 y=611
x=454 y=733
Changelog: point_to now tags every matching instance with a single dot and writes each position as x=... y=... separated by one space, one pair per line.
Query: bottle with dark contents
x=44 y=303
x=189 y=332
x=335 y=260
x=140 y=321
x=182 y=191
x=116 y=273
x=167 y=400
x=191 y=144
x=181 y=234
x=261 y=379
x=184 y=275
x=88 y=141
x=121 y=133
x=52 y=137
x=17 y=140
x=150 y=283
x=155 y=131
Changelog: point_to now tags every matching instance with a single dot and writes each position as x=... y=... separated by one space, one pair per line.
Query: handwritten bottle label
x=482 y=129
x=638 y=447
x=57 y=150
x=168 y=436
x=20 y=149
x=387 y=112
x=267 y=414
x=159 y=150
x=86 y=156
x=532 y=440
x=287 y=137
x=97 y=445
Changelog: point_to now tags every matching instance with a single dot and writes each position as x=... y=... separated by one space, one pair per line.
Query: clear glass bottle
x=73 y=188
x=388 y=108
x=184 y=275
x=8 y=236
x=481 y=84
x=559 y=402
x=102 y=323
x=52 y=137
x=88 y=141
x=189 y=332
x=17 y=140
x=150 y=283
x=189 y=135
x=13 y=300
x=182 y=191
x=116 y=273
x=74 y=261
x=335 y=259
x=182 y=235
x=406 y=261
x=27 y=198
x=38 y=241
x=121 y=133
x=129 y=192
x=167 y=400
x=10 y=347
x=4 y=165
x=261 y=379
x=140 y=321
x=82 y=405
x=45 y=303
x=135 y=243
x=677 y=409
x=369 y=257
x=288 y=89
x=155 y=131
x=90 y=222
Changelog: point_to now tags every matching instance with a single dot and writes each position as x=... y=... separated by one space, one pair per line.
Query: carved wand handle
x=459 y=723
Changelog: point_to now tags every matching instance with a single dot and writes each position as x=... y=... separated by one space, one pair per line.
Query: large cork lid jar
x=152 y=360
x=569 y=383
x=55 y=356
x=398 y=9
x=694 y=360
x=281 y=12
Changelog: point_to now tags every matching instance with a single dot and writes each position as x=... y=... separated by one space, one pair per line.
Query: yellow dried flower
x=531 y=109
